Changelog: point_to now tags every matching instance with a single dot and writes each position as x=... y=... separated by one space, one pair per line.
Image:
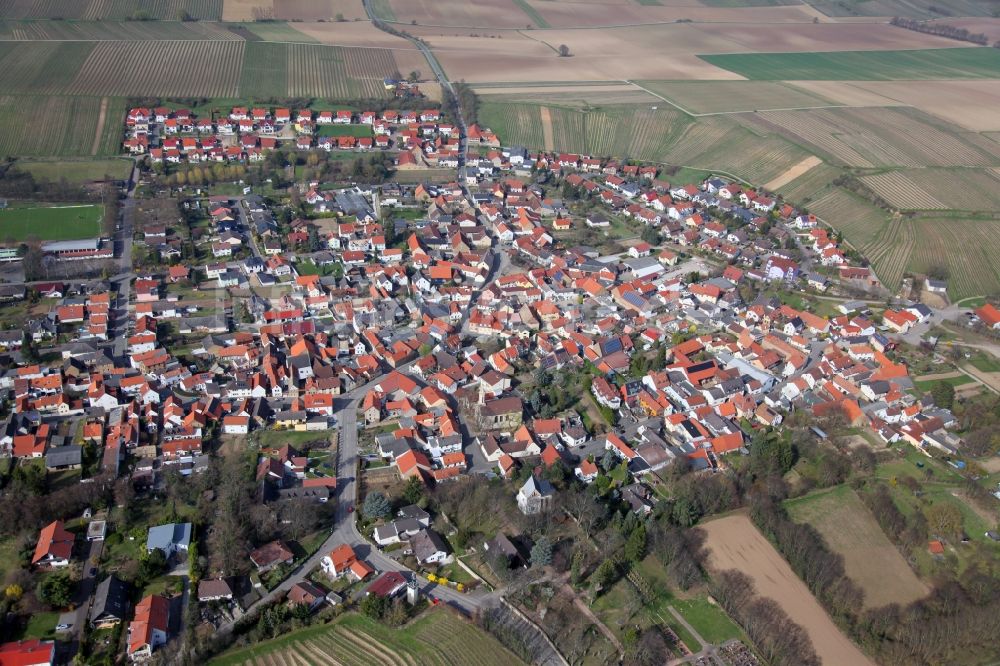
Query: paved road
x=346 y=531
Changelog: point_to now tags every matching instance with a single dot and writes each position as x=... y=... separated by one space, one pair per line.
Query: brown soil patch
x=988 y=26
x=589 y=14
x=763 y=38
x=794 y=172
x=243 y=10
x=364 y=34
x=498 y=14
x=614 y=54
x=933 y=300
x=546 y=127
x=734 y=543
x=970 y=104
x=312 y=10
x=845 y=93
x=101 y=116
x=991 y=379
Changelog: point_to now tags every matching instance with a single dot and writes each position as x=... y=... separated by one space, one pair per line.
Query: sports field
x=63 y=222
x=870 y=559
x=437 y=637
x=960 y=63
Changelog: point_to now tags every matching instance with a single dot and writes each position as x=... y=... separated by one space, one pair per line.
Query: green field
x=959 y=63
x=35 y=125
x=532 y=13
x=265 y=70
x=51 y=223
x=870 y=559
x=723 y=96
x=77 y=171
x=436 y=637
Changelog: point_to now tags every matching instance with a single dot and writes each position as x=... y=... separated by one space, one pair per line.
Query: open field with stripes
x=700 y=97
x=437 y=638
x=92 y=10
x=224 y=68
x=60 y=125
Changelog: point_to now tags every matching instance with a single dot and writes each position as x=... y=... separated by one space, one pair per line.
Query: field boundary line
x=99 y=133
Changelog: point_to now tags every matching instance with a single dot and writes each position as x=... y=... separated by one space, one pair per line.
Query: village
x=419 y=335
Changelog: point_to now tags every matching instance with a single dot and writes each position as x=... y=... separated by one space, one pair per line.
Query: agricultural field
x=77 y=171
x=944 y=63
x=437 y=637
x=161 y=69
x=62 y=222
x=701 y=97
x=265 y=70
x=968 y=248
x=72 y=126
x=41 y=67
x=113 y=30
x=497 y=14
x=954 y=189
x=881 y=137
x=92 y=10
x=276 y=32
x=734 y=543
x=870 y=559
x=920 y=9
x=968 y=104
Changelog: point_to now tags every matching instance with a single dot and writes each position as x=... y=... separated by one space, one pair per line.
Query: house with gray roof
x=170 y=538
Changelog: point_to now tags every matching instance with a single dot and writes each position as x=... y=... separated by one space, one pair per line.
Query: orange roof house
x=55 y=545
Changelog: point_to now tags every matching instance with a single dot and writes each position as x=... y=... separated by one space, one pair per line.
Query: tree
x=414 y=76
x=563 y=51
x=28 y=351
x=414 y=490
x=376 y=506
x=605 y=574
x=650 y=235
x=944 y=518
x=635 y=546
x=609 y=461
x=154 y=564
x=374 y=606
x=541 y=552
x=943 y=394
x=56 y=590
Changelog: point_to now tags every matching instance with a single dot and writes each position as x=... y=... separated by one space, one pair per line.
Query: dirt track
x=735 y=543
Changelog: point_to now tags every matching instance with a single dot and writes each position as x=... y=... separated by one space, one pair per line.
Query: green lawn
x=67 y=222
x=708 y=619
x=77 y=171
x=41 y=625
x=954 y=381
x=278 y=438
x=958 y=63
x=985 y=363
x=345 y=130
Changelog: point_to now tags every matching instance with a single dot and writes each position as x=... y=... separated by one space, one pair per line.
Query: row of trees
x=941 y=30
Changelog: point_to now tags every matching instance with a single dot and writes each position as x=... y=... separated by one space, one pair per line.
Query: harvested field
x=870 y=559
x=987 y=26
x=95 y=10
x=161 y=69
x=278 y=32
x=592 y=15
x=40 y=67
x=702 y=97
x=796 y=171
x=245 y=10
x=842 y=92
x=613 y=54
x=942 y=63
x=877 y=137
x=363 y=34
x=323 y=10
x=497 y=14
x=33 y=125
x=809 y=43
x=581 y=95
x=436 y=637
x=969 y=104
x=734 y=543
